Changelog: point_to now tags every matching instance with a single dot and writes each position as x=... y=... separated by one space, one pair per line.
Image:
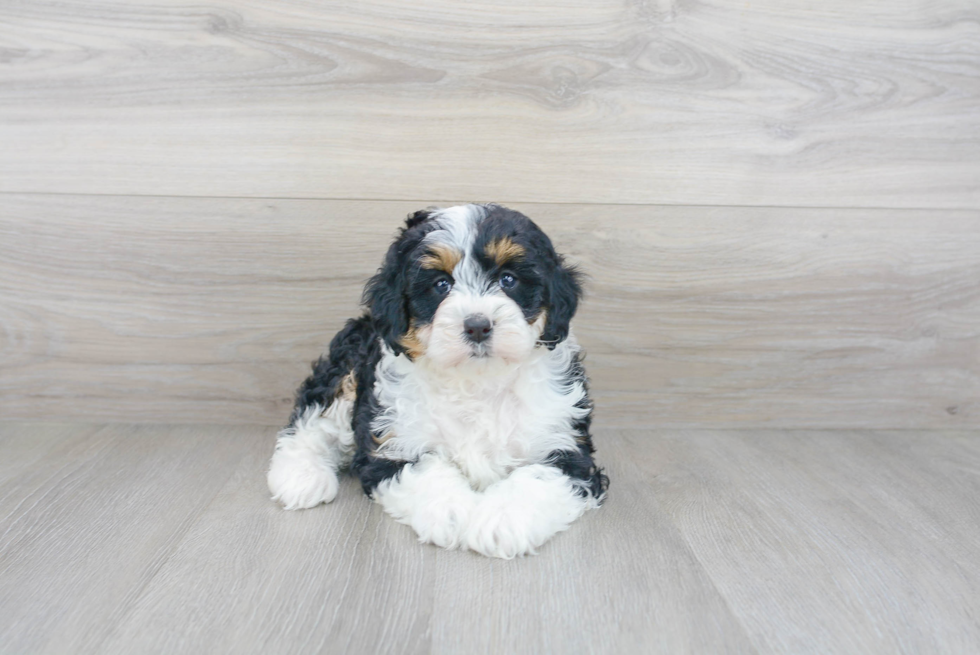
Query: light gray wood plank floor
x=149 y=538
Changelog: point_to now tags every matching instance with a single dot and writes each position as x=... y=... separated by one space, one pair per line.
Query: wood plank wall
x=778 y=202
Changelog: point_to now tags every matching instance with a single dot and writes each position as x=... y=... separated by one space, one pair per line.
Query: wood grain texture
x=828 y=541
x=346 y=578
x=85 y=527
x=184 y=310
x=253 y=578
x=620 y=580
x=24 y=444
x=163 y=539
x=766 y=103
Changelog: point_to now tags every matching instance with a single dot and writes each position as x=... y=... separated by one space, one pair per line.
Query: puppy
x=459 y=399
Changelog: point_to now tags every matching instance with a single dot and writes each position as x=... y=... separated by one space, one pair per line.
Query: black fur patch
x=354 y=348
x=545 y=282
x=386 y=294
x=579 y=464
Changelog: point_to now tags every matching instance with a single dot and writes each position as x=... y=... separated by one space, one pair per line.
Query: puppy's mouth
x=480 y=351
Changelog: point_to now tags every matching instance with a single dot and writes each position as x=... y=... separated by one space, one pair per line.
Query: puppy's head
x=472 y=283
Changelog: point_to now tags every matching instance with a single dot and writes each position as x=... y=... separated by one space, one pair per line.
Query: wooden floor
x=151 y=538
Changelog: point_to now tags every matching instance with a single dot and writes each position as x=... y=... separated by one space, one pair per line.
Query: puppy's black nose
x=477 y=328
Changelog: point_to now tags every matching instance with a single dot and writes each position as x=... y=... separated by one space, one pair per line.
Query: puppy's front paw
x=433 y=497
x=523 y=511
x=301 y=479
x=498 y=532
x=443 y=522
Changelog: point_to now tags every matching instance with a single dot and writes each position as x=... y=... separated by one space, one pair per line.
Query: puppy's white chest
x=486 y=434
x=486 y=426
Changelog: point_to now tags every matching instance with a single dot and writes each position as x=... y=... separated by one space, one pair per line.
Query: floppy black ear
x=386 y=294
x=416 y=218
x=385 y=299
x=563 y=290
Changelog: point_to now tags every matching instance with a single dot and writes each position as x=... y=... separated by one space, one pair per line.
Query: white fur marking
x=487 y=417
x=518 y=514
x=458 y=227
x=433 y=497
x=303 y=471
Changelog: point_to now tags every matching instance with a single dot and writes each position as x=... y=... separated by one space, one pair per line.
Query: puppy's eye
x=507 y=281
x=443 y=285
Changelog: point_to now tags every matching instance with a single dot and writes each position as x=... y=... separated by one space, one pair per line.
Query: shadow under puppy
x=459 y=398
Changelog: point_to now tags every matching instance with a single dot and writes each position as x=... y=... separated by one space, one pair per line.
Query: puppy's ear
x=563 y=290
x=384 y=297
x=418 y=217
x=386 y=294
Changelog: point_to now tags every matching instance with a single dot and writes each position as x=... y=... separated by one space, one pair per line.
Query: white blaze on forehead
x=458 y=228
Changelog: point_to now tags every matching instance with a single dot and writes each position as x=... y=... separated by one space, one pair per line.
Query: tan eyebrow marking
x=503 y=250
x=441 y=257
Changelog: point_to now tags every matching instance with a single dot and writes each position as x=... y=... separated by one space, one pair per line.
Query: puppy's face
x=472 y=283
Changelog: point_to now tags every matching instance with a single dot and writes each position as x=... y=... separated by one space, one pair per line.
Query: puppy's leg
x=433 y=497
x=525 y=509
x=320 y=437
x=303 y=472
